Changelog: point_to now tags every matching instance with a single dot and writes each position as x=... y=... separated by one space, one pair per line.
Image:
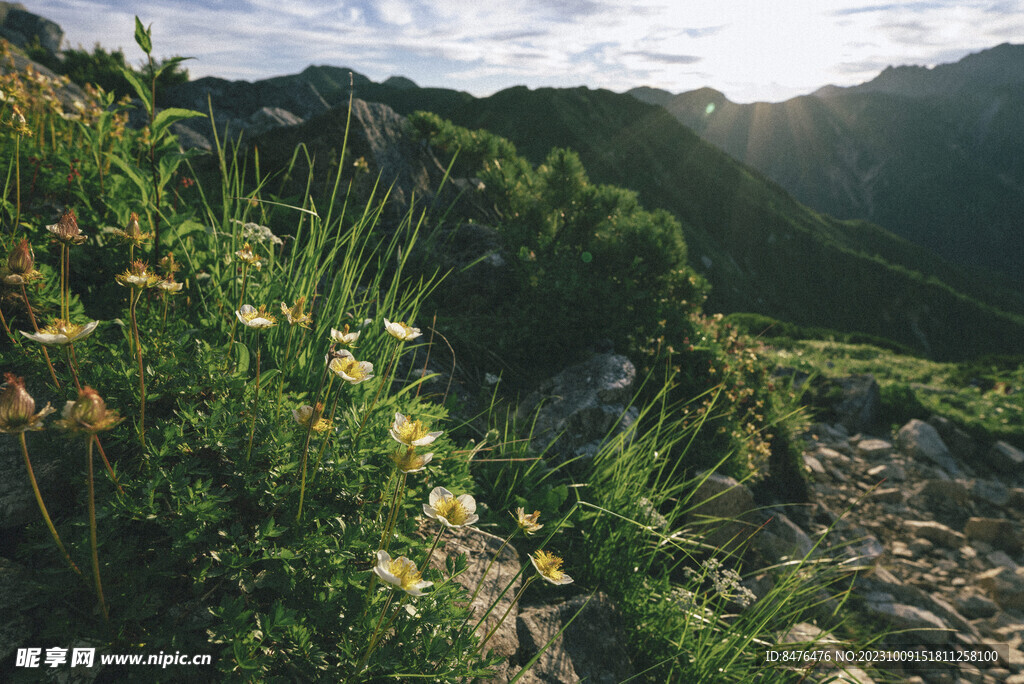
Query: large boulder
x=1006 y=458
x=479 y=548
x=1004 y=586
x=920 y=441
x=592 y=647
x=22 y=28
x=723 y=511
x=580 y=406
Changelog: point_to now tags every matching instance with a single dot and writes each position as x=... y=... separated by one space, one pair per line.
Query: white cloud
x=749 y=49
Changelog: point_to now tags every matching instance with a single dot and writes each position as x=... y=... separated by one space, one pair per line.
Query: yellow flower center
x=349 y=367
x=412 y=430
x=549 y=565
x=59 y=327
x=407 y=459
x=452 y=510
x=406 y=572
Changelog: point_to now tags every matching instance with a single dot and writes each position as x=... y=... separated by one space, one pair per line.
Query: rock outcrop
x=582 y=405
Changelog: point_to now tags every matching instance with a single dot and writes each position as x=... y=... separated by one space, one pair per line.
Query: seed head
x=89 y=414
x=21 y=260
x=18 y=408
x=66 y=229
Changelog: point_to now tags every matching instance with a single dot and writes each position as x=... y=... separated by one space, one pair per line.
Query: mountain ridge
x=932 y=154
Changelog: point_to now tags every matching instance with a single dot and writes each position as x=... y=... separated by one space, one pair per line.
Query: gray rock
x=20 y=27
x=935 y=532
x=1000 y=533
x=1004 y=586
x=779 y=537
x=721 y=509
x=958 y=441
x=873 y=449
x=974 y=606
x=267 y=118
x=1006 y=458
x=991 y=492
x=590 y=649
x=14 y=626
x=916 y=624
x=861 y=401
x=582 y=404
x=919 y=440
x=479 y=548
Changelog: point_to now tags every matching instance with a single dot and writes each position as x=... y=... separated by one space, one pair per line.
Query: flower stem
x=280 y=382
x=396 y=504
x=323 y=443
x=507 y=611
x=142 y=370
x=373 y=637
x=110 y=471
x=17 y=182
x=7 y=329
x=488 y=569
x=305 y=448
x=92 y=539
x=430 y=553
x=74 y=372
x=385 y=380
x=234 y=320
x=42 y=506
x=35 y=327
x=255 y=403
x=65 y=265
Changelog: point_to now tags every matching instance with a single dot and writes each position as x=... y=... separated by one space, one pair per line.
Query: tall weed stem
x=42 y=506
x=35 y=328
x=92 y=535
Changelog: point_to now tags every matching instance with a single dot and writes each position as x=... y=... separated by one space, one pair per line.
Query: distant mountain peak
x=998 y=66
x=400 y=83
x=654 y=96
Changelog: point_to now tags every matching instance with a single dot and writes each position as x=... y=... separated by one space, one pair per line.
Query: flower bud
x=17 y=407
x=89 y=414
x=90 y=407
x=66 y=229
x=21 y=260
x=133 y=225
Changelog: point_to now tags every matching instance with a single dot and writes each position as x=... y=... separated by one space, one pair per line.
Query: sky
x=751 y=50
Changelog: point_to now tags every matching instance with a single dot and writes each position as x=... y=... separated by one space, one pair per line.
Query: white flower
x=408 y=461
x=411 y=432
x=254 y=318
x=344 y=337
x=401 y=331
x=550 y=567
x=62 y=332
x=306 y=414
x=400 y=572
x=258 y=232
x=345 y=366
x=527 y=523
x=449 y=510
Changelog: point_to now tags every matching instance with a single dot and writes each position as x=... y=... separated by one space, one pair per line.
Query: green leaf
x=132 y=173
x=143 y=36
x=169 y=116
x=169 y=63
x=140 y=89
x=189 y=226
x=241 y=358
x=268 y=375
